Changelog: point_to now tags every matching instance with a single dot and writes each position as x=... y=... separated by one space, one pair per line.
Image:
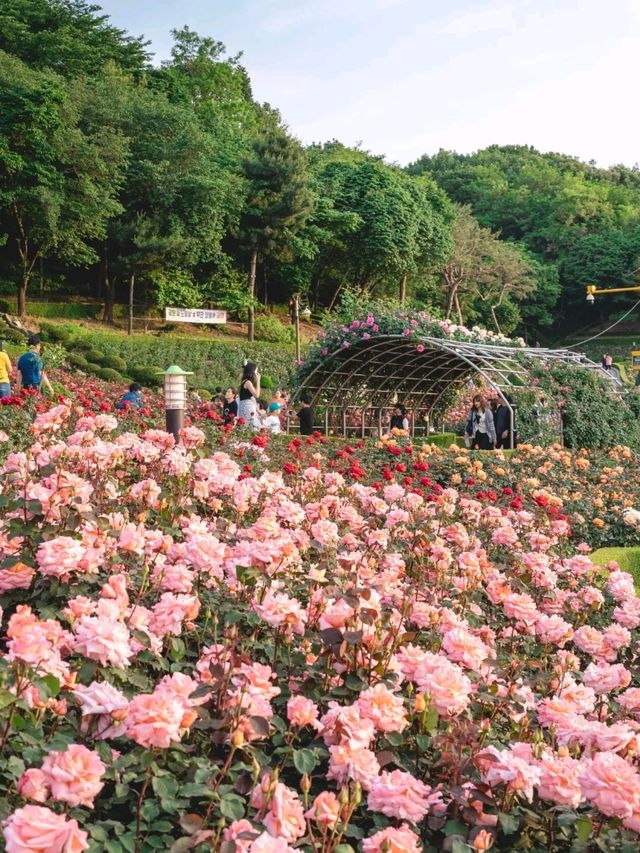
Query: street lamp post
x=175 y=398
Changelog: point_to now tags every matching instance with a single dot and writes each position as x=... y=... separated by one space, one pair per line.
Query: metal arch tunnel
x=370 y=375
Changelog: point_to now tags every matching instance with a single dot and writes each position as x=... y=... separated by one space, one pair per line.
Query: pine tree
x=278 y=203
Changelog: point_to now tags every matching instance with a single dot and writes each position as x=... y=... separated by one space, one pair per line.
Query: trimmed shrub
x=444 y=439
x=269 y=328
x=77 y=360
x=266 y=382
x=204 y=394
x=96 y=356
x=115 y=363
x=56 y=333
x=110 y=375
x=146 y=375
x=11 y=335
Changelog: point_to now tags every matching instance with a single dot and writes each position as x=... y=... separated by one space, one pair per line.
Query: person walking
x=6 y=371
x=480 y=426
x=502 y=422
x=31 y=374
x=249 y=395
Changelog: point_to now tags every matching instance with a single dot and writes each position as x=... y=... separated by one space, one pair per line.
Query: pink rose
x=611 y=784
x=74 y=776
x=302 y=711
x=32 y=785
x=393 y=840
x=39 y=830
x=399 y=794
x=155 y=719
x=325 y=809
x=385 y=710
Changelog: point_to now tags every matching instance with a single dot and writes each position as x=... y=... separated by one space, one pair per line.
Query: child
x=272 y=420
x=132 y=399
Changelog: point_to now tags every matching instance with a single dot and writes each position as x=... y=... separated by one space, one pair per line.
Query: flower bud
x=420 y=704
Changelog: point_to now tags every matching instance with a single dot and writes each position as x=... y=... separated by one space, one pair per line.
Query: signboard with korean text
x=194 y=315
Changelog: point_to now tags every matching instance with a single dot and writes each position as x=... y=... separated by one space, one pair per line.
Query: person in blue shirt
x=31 y=375
x=132 y=399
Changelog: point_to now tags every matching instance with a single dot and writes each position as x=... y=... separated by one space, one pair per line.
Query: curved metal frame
x=373 y=371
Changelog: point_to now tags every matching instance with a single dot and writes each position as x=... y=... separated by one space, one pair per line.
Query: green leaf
x=232 y=806
x=6 y=698
x=165 y=787
x=508 y=822
x=584 y=828
x=455 y=827
x=304 y=760
x=431 y=720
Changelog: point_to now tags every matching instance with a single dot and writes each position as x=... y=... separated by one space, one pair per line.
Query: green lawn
x=627 y=558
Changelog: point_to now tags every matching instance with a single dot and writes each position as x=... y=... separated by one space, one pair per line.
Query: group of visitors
x=607 y=361
x=248 y=406
x=489 y=424
x=29 y=374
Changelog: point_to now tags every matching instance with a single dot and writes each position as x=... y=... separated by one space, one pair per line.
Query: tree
x=376 y=229
x=549 y=203
x=172 y=198
x=278 y=201
x=58 y=185
x=484 y=276
x=68 y=37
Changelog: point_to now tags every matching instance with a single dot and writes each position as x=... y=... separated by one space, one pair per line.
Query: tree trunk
x=41 y=276
x=109 y=297
x=495 y=320
x=458 y=310
x=266 y=286
x=22 y=294
x=252 y=295
x=334 y=298
x=403 y=289
x=315 y=290
x=132 y=282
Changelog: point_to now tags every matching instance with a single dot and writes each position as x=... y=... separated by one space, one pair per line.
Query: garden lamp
x=175 y=398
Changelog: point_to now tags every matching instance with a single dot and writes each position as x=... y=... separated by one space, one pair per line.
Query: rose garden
x=242 y=642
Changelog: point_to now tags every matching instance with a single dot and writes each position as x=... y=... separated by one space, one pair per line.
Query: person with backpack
x=31 y=375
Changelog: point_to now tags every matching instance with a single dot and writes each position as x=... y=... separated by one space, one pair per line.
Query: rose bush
x=267 y=646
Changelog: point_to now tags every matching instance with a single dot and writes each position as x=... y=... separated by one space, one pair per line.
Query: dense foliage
x=123 y=181
x=581 y=223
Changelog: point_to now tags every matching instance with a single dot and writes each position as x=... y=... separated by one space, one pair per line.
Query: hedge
x=212 y=362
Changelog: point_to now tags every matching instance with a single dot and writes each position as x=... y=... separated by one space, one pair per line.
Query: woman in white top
x=480 y=427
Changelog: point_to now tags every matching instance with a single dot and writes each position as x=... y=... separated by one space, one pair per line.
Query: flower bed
x=253 y=650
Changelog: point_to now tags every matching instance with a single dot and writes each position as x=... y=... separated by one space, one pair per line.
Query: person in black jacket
x=502 y=422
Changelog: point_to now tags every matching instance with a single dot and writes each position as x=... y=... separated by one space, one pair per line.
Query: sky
x=408 y=77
